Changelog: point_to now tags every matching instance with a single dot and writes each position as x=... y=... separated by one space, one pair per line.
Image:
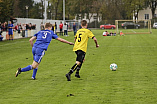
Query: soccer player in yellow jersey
x=80 y=48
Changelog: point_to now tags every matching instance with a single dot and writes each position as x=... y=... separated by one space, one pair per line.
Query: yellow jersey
x=81 y=37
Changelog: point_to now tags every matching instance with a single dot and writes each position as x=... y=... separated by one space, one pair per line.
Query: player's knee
x=78 y=63
x=34 y=66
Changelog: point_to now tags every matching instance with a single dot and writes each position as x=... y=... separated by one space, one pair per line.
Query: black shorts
x=80 y=55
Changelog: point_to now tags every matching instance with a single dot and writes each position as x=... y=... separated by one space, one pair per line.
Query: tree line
x=106 y=9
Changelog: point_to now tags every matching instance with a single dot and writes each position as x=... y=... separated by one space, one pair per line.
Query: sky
x=40 y=1
x=37 y=0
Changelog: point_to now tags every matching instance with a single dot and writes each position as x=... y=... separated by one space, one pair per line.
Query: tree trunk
x=56 y=9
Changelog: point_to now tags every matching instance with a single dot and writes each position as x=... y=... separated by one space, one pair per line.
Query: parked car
x=130 y=25
x=155 y=25
x=107 y=26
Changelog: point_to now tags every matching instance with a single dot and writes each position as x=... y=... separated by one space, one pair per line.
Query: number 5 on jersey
x=79 y=40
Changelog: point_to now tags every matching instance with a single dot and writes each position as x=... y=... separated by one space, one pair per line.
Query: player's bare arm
x=31 y=40
x=65 y=41
x=75 y=39
x=95 y=40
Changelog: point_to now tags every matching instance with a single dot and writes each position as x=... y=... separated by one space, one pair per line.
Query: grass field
x=134 y=82
x=132 y=31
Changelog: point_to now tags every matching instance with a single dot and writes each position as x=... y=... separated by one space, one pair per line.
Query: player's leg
x=60 y=32
x=35 y=72
x=30 y=67
x=67 y=32
x=27 y=68
x=9 y=36
x=11 y=32
x=78 y=69
x=35 y=61
x=79 y=60
x=64 y=32
x=19 y=70
x=12 y=37
x=73 y=68
x=37 y=55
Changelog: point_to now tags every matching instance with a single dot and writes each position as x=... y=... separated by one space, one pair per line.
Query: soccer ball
x=113 y=67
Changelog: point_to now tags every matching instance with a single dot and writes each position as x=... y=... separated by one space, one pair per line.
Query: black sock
x=78 y=68
x=73 y=68
x=77 y=72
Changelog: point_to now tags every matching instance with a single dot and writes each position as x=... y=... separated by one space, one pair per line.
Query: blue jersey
x=10 y=25
x=44 y=38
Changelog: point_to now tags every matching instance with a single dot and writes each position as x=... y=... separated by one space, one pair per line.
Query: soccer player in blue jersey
x=10 y=30
x=43 y=39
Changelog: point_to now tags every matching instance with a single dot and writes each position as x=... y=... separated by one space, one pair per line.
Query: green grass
x=134 y=82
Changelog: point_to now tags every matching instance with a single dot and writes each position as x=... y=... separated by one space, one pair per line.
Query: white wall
x=32 y=21
x=17 y=36
x=38 y=22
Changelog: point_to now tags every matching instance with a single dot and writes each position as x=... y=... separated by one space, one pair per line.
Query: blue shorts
x=10 y=32
x=38 y=53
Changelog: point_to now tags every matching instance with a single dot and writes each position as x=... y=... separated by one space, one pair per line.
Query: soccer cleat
x=77 y=75
x=33 y=78
x=18 y=72
x=68 y=77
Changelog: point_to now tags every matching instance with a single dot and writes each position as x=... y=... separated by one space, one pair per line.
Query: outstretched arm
x=75 y=39
x=31 y=40
x=96 y=43
x=65 y=41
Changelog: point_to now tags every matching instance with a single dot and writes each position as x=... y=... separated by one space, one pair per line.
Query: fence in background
x=16 y=35
x=38 y=22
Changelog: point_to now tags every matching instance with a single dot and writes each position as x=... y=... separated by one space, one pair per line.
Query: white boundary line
x=133 y=31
